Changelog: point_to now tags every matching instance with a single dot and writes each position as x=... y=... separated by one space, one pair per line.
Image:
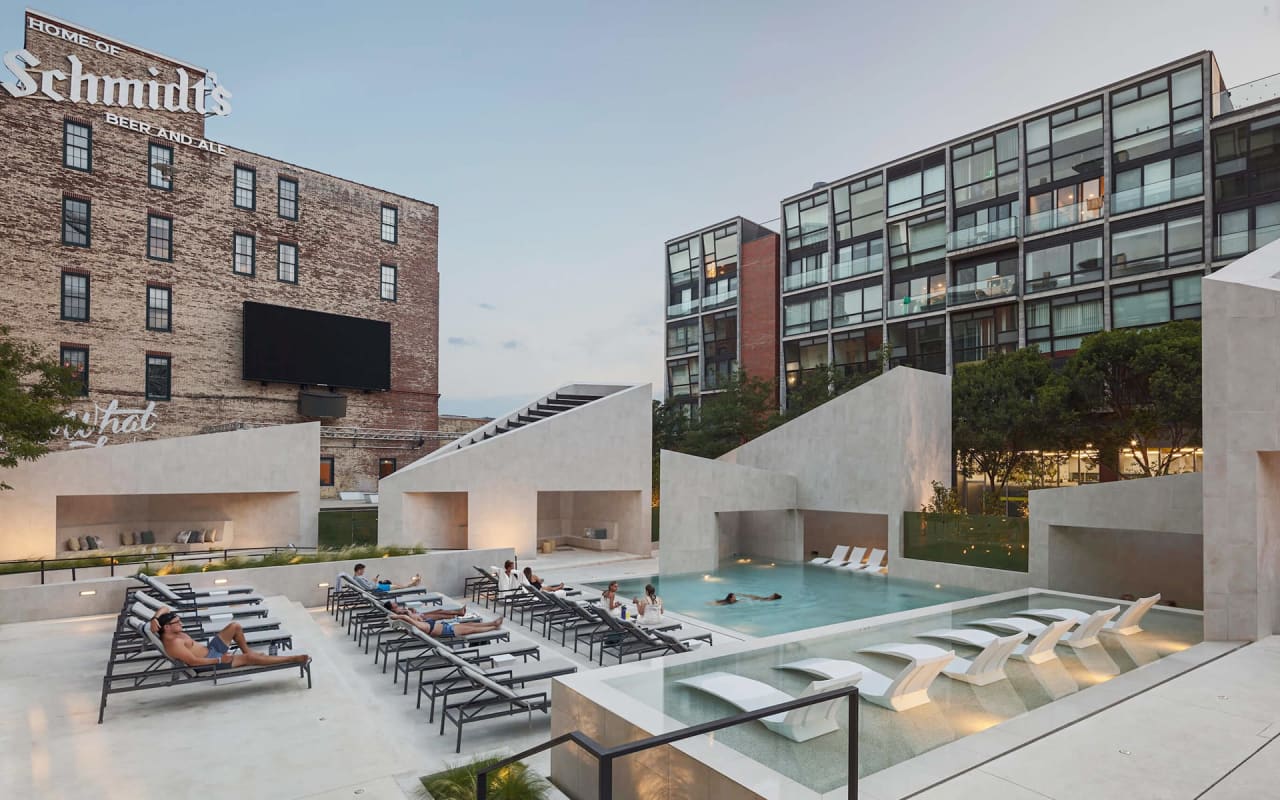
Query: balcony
x=907 y=306
x=681 y=309
x=803 y=280
x=985 y=289
x=1234 y=245
x=1157 y=193
x=1062 y=216
x=727 y=297
x=863 y=265
x=1247 y=94
x=983 y=234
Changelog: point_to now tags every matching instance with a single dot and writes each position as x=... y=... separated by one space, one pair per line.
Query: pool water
x=811 y=595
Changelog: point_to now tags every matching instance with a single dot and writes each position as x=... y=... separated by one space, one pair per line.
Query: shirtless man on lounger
x=181 y=647
x=445 y=630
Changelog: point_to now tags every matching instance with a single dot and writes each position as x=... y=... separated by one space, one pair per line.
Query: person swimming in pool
x=728 y=600
x=774 y=596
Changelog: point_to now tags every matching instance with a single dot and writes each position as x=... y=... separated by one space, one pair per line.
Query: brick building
x=130 y=243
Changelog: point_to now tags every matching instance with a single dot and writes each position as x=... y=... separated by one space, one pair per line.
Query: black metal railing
x=73 y=563
x=605 y=756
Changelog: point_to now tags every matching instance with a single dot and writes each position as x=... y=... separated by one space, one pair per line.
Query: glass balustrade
x=801 y=280
x=985 y=289
x=682 y=308
x=982 y=234
x=906 y=306
x=1062 y=216
x=1157 y=192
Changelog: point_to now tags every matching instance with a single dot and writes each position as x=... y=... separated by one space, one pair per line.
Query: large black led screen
x=290 y=345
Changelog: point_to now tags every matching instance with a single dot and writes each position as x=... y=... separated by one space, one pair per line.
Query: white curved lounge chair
x=908 y=689
x=838 y=557
x=799 y=724
x=855 y=559
x=1125 y=625
x=875 y=562
x=1037 y=651
x=986 y=667
x=1084 y=635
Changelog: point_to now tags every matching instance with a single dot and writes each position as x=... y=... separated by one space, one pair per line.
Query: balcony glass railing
x=1082 y=275
x=982 y=234
x=857 y=266
x=1062 y=216
x=985 y=289
x=802 y=280
x=1246 y=94
x=1153 y=194
x=680 y=309
x=906 y=306
x=720 y=299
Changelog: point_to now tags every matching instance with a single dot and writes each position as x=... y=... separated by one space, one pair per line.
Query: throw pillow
x=217 y=534
x=73 y=543
x=84 y=543
x=148 y=537
x=208 y=536
x=133 y=537
x=94 y=542
x=124 y=538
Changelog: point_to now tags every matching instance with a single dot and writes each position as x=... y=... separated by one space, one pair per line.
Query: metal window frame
x=253 y=187
x=280 y=248
x=168 y=310
x=168 y=379
x=253 y=254
x=280 y=182
x=66 y=145
x=168 y=240
x=152 y=147
x=62 y=359
x=62 y=296
x=88 y=221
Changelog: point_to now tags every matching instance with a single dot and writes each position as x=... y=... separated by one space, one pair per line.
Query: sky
x=565 y=142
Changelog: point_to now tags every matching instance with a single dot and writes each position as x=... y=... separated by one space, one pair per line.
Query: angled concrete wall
x=873 y=450
x=602 y=446
x=1241 y=317
x=265 y=479
x=1134 y=537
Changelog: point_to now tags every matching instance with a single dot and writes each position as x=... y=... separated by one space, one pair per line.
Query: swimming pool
x=811 y=595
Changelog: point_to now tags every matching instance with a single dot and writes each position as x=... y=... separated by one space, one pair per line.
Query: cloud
x=511 y=344
x=461 y=341
x=488 y=306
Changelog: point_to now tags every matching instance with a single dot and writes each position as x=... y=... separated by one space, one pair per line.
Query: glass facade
x=1037 y=231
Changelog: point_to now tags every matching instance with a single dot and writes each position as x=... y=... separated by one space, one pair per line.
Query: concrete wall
x=570 y=513
x=873 y=450
x=824 y=530
x=264 y=476
x=603 y=446
x=1126 y=537
x=1241 y=311
x=695 y=490
x=443 y=572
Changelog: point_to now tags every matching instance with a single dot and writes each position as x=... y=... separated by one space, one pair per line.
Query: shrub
x=512 y=782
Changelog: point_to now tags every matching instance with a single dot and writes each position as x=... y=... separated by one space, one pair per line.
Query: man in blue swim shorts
x=179 y=646
x=441 y=629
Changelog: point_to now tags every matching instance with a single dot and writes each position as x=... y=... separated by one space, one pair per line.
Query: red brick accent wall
x=339 y=257
x=758 y=315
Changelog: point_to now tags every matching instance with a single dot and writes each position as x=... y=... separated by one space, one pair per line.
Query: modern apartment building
x=1097 y=212
x=722 y=307
x=195 y=286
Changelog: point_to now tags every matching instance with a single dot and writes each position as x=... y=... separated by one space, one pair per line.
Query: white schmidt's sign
x=75 y=85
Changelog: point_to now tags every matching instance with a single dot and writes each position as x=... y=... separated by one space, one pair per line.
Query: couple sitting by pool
x=731 y=598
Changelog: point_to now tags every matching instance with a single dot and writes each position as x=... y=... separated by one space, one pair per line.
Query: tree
x=819 y=385
x=670 y=426
x=34 y=393
x=1139 y=390
x=741 y=411
x=1003 y=408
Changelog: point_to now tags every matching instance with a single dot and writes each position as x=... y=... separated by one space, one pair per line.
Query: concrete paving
x=1210 y=733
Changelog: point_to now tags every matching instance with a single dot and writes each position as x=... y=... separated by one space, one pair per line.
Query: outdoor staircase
x=558 y=402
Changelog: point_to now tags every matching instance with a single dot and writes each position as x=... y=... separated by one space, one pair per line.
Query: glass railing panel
x=801 y=280
x=1153 y=194
x=905 y=307
x=985 y=289
x=1062 y=216
x=982 y=234
x=680 y=309
x=994 y=542
x=720 y=299
x=1246 y=94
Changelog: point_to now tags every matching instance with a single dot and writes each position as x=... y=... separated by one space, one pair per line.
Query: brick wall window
x=287 y=262
x=159 y=376
x=390 y=224
x=388 y=289
x=159 y=237
x=288 y=198
x=77 y=146
x=75 y=296
x=76 y=359
x=160 y=166
x=246 y=189
x=76 y=215
x=159 y=308
x=386 y=466
x=244 y=246
x=326 y=470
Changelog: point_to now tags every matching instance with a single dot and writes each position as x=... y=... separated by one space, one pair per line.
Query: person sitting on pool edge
x=536 y=582
x=447 y=629
x=372 y=585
